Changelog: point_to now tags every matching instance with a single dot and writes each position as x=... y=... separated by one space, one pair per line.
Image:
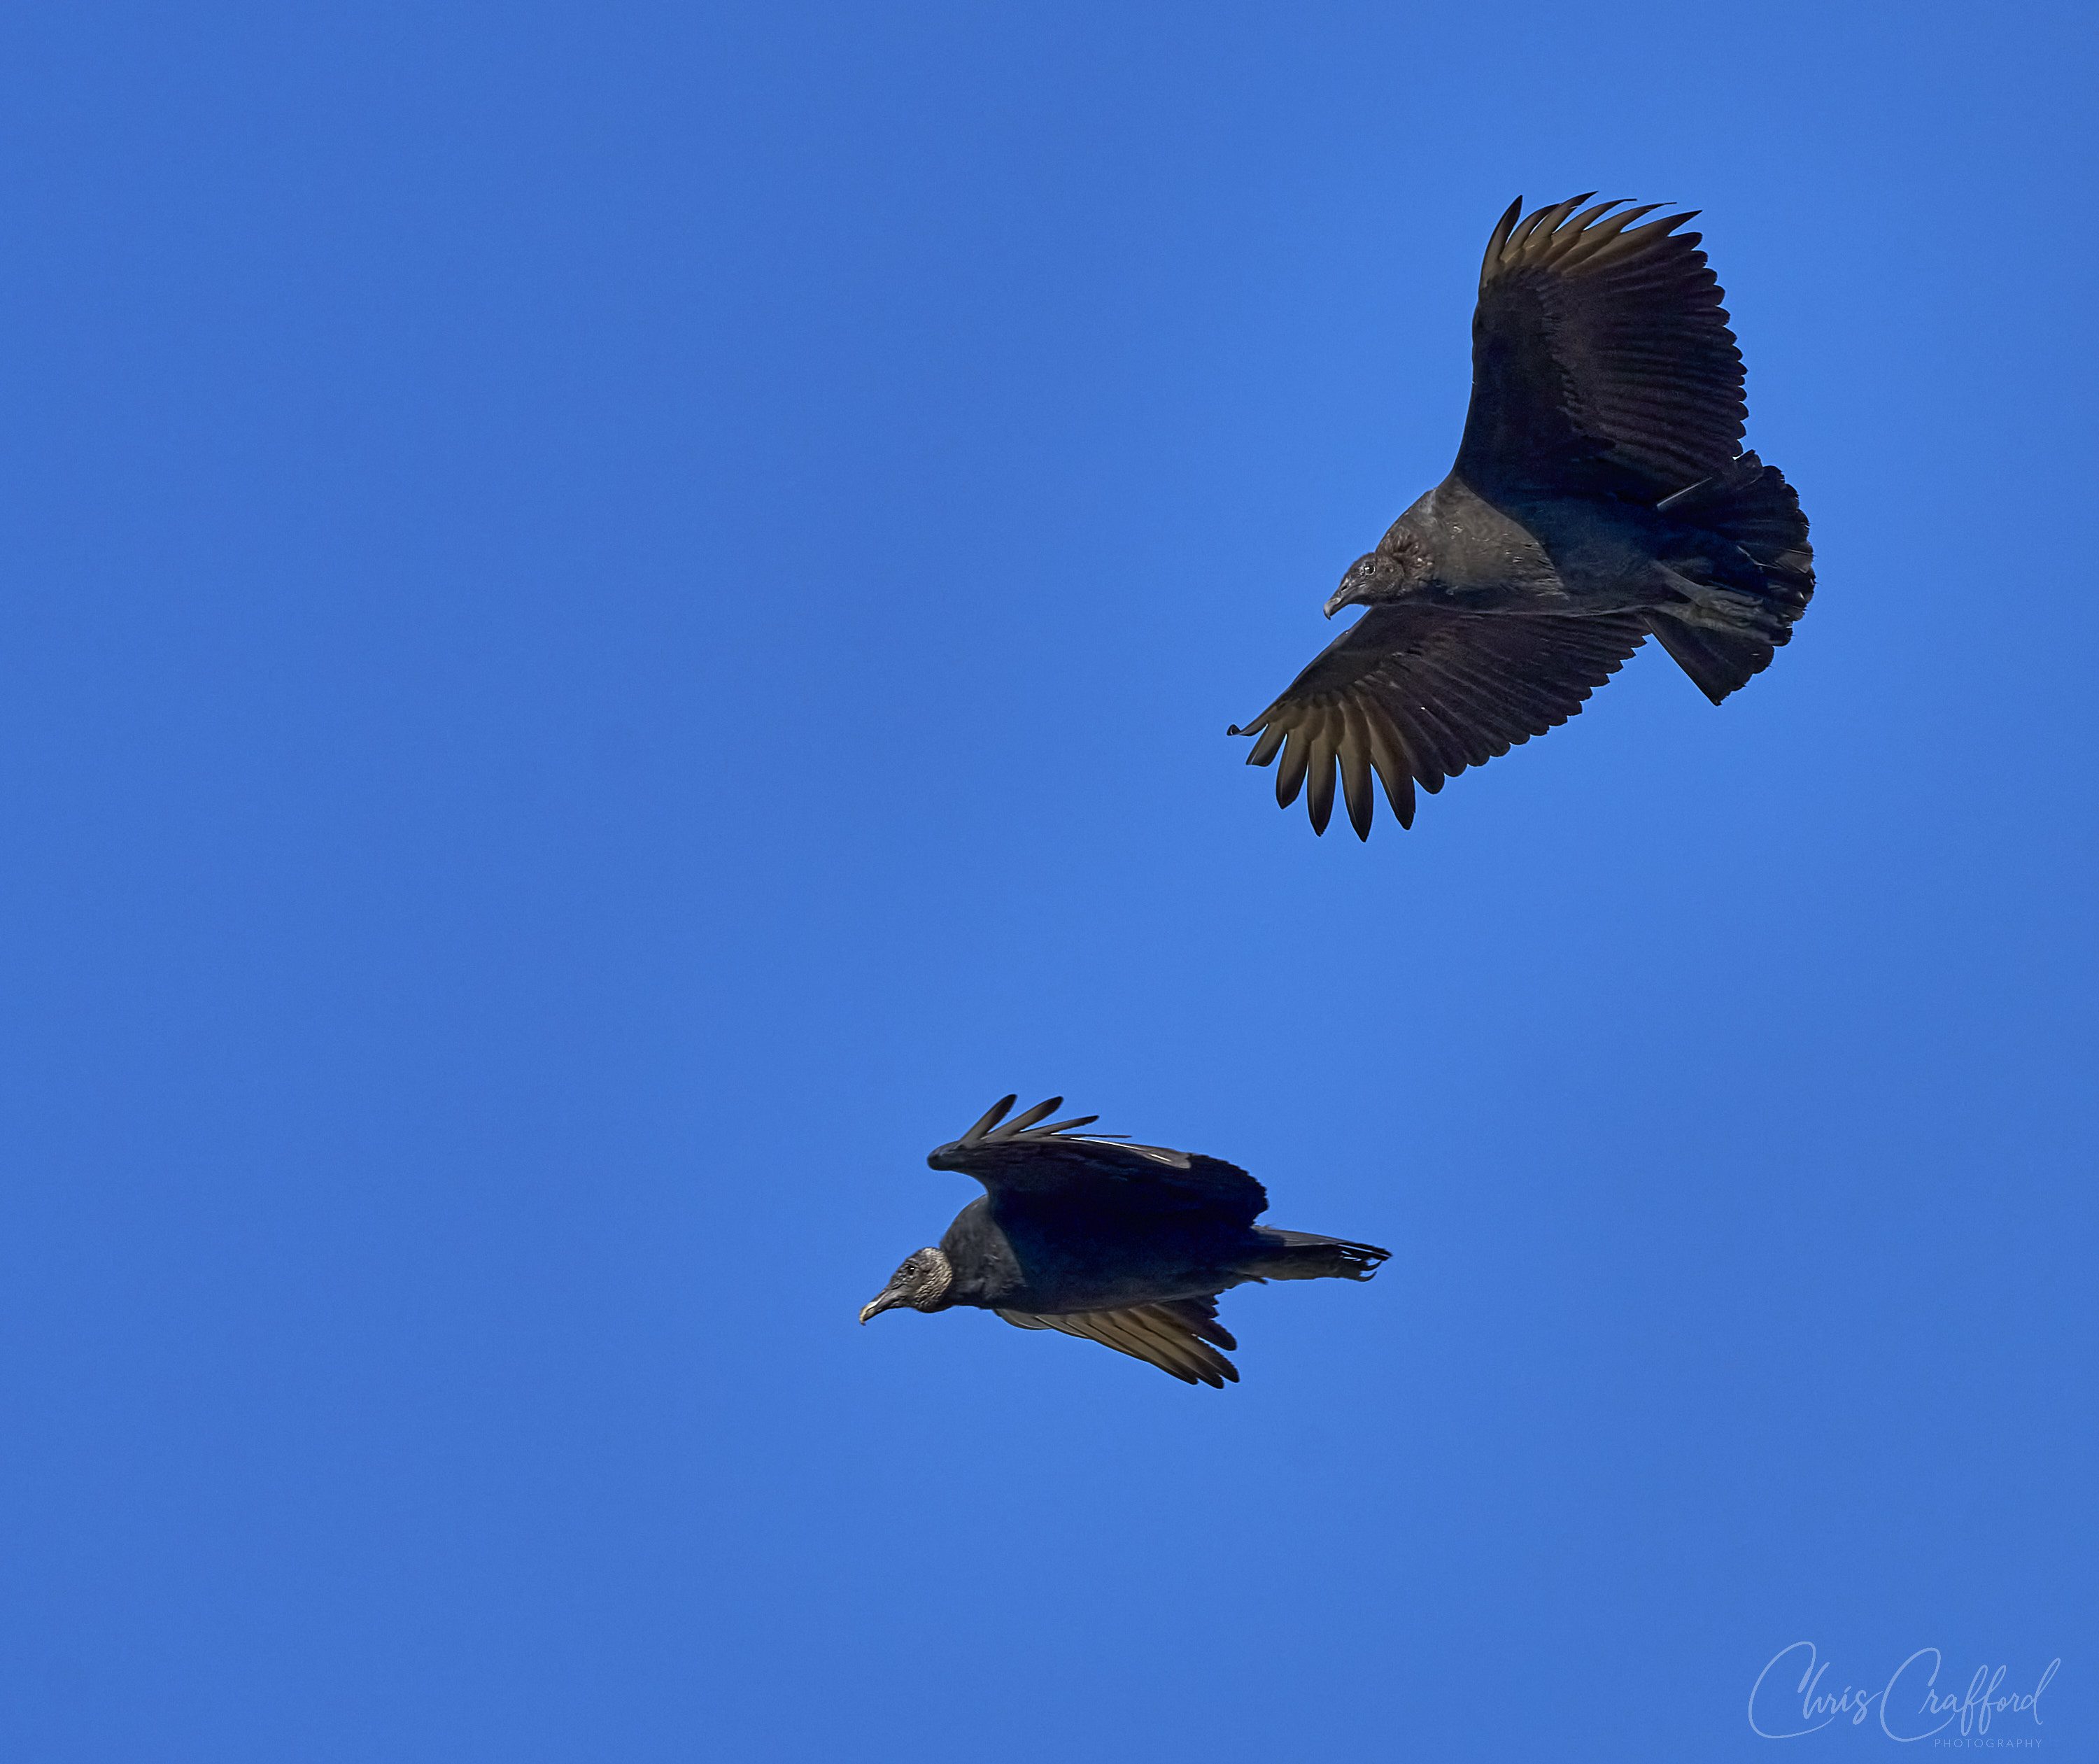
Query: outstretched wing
x=1601 y=356
x=1019 y=1158
x=1175 y=1337
x=1416 y=694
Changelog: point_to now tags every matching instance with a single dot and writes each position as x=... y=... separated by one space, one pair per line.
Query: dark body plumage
x=1599 y=499
x=1125 y=1244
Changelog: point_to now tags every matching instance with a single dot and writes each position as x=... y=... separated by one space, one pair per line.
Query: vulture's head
x=1396 y=569
x=922 y=1282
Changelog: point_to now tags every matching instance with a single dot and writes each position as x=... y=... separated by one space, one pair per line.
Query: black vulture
x=1599 y=499
x=1125 y=1244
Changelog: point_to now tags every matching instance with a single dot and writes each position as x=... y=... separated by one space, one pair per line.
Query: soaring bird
x=1125 y=1244
x=1599 y=497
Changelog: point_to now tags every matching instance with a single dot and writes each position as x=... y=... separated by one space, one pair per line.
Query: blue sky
x=617 y=617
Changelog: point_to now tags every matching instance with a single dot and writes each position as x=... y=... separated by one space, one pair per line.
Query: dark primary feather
x=1602 y=345
x=1053 y=1162
x=1416 y=694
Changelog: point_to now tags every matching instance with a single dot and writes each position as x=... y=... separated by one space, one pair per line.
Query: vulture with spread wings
x=1125 y=1244
x=1599 y=499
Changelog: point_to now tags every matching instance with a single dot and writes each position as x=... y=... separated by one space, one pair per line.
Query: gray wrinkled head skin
x=922 y=1284
x=1396 y=569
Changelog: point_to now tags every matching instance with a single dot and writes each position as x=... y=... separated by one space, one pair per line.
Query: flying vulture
x=1600 y=498
x=1125 y=1244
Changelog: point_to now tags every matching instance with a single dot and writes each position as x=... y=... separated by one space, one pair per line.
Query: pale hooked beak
x=1339 y=598
x=887 y=1299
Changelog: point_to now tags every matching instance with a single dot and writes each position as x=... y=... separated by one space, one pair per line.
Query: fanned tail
x=1726 y=630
